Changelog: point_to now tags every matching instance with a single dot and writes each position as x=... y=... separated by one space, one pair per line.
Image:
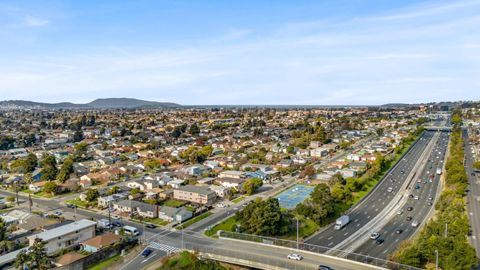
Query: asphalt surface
x=376 y=201
x=427 y=192
x=271 y=255
x=473 y=196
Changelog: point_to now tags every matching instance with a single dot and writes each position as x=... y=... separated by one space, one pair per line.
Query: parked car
x=151 y=226
x=294 y=256
x=324 y=267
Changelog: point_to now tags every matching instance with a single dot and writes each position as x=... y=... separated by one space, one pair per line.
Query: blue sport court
x=293 y=196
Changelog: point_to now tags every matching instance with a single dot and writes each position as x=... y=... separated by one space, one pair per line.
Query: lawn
x=80 y=203
x=306 y=228
x=226 y=225
x=239 y=199
x=174 y=203
x=194 y=220
x=157 y=221
x=104 y=264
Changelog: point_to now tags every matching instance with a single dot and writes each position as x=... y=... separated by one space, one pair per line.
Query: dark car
x=409 y=208
x=70 y=205
x=324 y=267
x=146 y=252
x=379 y=241
x=117 y=223
x=473 y=174
x=409 y=218
x=410 y=196
x=399 y=231
x=151 y=226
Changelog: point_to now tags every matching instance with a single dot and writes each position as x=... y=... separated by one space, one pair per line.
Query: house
x=36 y=186
x=174 y=214
x=140 y=208
x=236 y=183
x=176 y=183
x=195 y=194
x=285 y=163
x=68 y=258
x=65 y=236
x=221 y=191
x=100 y=241
x=319 y=152
x=231 y=174
x=104 y=202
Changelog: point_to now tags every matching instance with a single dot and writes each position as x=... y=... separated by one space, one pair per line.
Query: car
x=473 y=174
x=71 y=205
x=147 y=252
x=374 y=235
x=294 y=256
x=429 y=203
x=245 y=204
x=390 y=189
x=379 y=241
x=57 y=213
x=324 y=267
x=417 y=186
x=409 y=208
x=416 y=197
x=415 y=224
x=409 y=218
x=117 y=223
x=399 y=212
x=411 y=196
x=430 y=198
x=399 y=231
x=115 y=217
x=151 y=226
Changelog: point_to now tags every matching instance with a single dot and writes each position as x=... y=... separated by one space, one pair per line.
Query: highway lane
x=473 y=196
x=272 y=255
x=421 y=208
x=375 y=202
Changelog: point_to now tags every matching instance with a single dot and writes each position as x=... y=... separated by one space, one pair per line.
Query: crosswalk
x=168 y=249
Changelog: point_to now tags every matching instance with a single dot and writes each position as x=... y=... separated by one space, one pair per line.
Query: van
x=129 y=230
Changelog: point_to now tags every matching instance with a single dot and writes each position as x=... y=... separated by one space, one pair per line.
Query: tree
x=49 y=167
x=113 y=190
x=152 y=164
x=50 y=187
x=264 y=217
x=251 y=185
x=80 y=151
x=18 y=166
x=78 y=136
x=194 y=129
x=91 y=194
x=476 y=165
x=309 y=171
x=65 y=170
x=31 y=162
x=35 y=258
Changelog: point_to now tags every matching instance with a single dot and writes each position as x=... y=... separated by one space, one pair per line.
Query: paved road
x=376 y=201
x=473 y=197
x=172 y=242
x=421 y=207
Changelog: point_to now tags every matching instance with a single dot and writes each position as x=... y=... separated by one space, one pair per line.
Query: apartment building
x=195 y=194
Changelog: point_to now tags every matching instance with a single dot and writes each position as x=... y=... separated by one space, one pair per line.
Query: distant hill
x=105 y=103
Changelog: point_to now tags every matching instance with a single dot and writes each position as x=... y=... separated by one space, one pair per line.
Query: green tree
x=152 y=164
x=31 y=162
x=65 y=170
x=49 y=167
x=113 y=190
x=251 y=185
x=35 y=258
x=264 y=217
x=78 y=136
x=91 y=194
x=50 y=187
x=194 y=129
x=476 y=165
x=80 y=151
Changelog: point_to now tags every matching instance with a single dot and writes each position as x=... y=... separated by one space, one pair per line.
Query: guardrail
x=317 y=249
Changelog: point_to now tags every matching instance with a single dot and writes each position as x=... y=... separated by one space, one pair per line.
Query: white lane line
x=329 y=237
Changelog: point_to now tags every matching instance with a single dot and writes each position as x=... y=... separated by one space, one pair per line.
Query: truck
x=104 y=224
x=341 y=222
x=439 y=171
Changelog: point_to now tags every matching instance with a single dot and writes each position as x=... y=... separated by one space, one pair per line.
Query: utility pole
x=109 y=216
x=16 y=191
x=30 y=202
x=182 y=238
x=436 y=259
x=297 y=232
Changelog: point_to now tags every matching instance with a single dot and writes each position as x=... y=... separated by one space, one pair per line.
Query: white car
x=374 y=235
x=293 y=256
x=414 y=224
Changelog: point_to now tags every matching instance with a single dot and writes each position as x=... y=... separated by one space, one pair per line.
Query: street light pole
x=297 y=231
x=436 y=259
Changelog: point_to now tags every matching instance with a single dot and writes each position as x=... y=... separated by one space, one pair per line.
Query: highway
x=473 y=196
x=378 y=198
x=429 y=183
x=168 y=242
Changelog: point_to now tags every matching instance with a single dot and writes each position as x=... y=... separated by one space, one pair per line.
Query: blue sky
x=241 y=52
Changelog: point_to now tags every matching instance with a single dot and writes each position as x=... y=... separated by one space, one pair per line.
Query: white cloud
x=31 y=21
